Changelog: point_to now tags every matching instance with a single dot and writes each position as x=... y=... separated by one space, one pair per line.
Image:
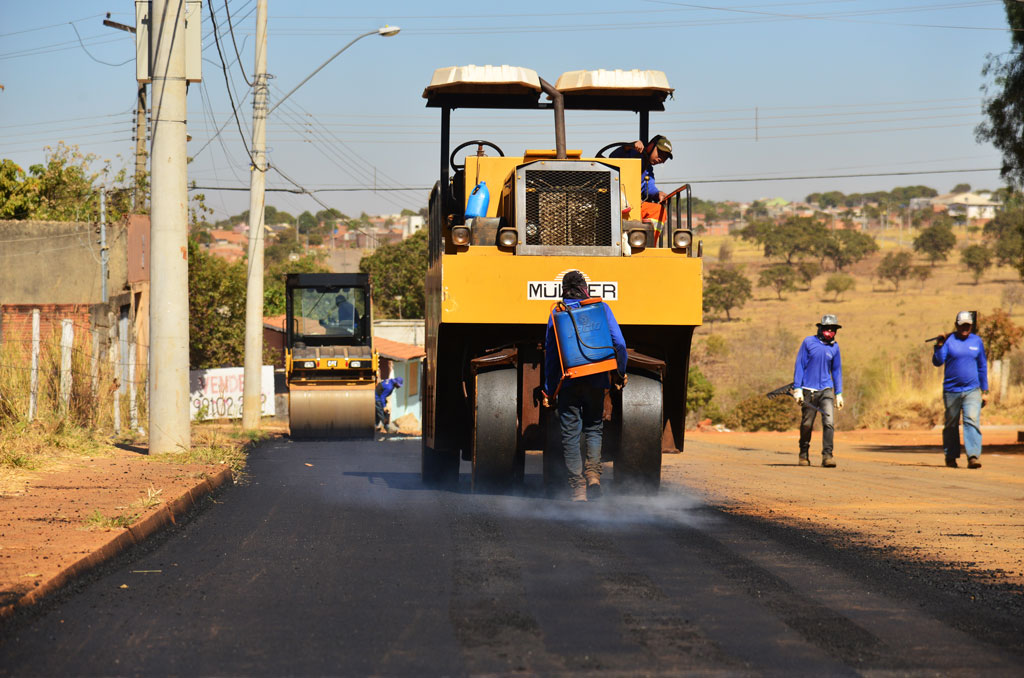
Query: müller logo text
x=551 y=290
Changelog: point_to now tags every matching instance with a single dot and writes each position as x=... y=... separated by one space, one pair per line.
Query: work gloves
x=798 y=395
x=839 y=401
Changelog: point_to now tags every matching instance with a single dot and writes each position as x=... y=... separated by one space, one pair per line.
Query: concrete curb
x=134 y=534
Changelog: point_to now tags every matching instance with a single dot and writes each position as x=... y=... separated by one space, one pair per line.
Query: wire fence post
x=115 y=350
x=67 y=342
x=33 y=391
x=133 y=410
x=94 y=365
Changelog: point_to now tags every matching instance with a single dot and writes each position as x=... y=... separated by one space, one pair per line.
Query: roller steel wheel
x=319 y=413
x=495 y=430
x=638 y=466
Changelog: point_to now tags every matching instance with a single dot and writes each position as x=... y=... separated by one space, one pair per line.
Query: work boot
x=579 y=493
x=828 y=462
x=973 y=462
x=951 y=462
x=804 y=459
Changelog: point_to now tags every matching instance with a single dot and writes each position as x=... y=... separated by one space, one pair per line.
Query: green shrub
x=699 y=391
x=756 y=413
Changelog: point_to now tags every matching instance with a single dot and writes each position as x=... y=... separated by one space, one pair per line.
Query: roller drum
x=326 y=412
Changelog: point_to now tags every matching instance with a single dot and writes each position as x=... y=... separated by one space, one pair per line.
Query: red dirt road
x=890 y=489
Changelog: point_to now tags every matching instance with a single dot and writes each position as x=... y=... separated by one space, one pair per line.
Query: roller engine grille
x=568 y=208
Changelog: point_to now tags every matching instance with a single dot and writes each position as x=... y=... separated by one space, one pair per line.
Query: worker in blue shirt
x=654 y=152
x=966 y=382
x=818 y=387
x=382 y=412
x=580 y=401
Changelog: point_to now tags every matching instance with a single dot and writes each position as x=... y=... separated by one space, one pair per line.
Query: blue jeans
x=580 y=413
x=968 y=402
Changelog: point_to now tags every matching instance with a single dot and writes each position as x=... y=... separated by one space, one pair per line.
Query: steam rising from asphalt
x=670 y=507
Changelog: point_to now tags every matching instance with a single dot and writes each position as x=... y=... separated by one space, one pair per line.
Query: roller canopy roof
x=515 y=87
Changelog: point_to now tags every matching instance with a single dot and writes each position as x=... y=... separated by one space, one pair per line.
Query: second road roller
x=503 y=230
x=330 y=361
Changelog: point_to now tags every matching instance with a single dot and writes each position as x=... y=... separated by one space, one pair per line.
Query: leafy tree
x=398 y=270
x=921 y=274
x=1004 y=99
x=216 y=310
x=999 y=333
x=847 y=247
x=757 y=210
x=935 y=242
x=839 y=283
x=273 y=280
x=978 y=259
x=16 y=199
x=895 y=267
x=794 y=238
x=961 y=188
x=726 y=288
x=780 y=277
x=1006 y=231
x=307 y=222
x=807 y=271
x=282 y=249
x=1012 y=295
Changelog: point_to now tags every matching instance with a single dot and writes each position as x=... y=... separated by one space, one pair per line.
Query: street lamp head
x=388 y=31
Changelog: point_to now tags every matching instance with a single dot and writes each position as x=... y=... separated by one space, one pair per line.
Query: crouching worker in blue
x=818 y=387
x=965 y=382
x=580 y=399
x=382 y=412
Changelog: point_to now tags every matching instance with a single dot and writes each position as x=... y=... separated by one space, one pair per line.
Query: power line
x=227 y=82
x=692 y=181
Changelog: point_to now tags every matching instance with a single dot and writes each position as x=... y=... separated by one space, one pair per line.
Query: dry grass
x=889 y=380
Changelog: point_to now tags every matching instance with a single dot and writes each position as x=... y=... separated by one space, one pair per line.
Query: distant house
x=971 y=206
x=405 y=361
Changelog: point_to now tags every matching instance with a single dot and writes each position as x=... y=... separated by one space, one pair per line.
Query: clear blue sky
x=838 y=86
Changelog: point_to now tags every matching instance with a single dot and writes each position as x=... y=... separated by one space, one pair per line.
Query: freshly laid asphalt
x=334 y=559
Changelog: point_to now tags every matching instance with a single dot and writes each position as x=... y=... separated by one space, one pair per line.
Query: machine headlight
x=508 y=237
x=460 y=235
x=309 y=364
x=355 y=363
x=682 y=239
x=637 y=238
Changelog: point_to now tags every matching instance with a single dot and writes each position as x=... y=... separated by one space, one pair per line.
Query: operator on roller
x=817 y=386
x=580 y=401
x=655 y=152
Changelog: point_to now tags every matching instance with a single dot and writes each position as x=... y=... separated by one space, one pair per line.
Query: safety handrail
x=673 y=207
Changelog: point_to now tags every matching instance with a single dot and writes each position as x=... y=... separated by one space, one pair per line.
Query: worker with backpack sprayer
x=583 y=347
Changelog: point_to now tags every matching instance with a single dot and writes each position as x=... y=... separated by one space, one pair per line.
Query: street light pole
x=251 y=385
x=384 y=31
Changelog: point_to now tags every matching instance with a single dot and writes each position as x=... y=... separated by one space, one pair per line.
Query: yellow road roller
x=330 y=362
x=503 y=230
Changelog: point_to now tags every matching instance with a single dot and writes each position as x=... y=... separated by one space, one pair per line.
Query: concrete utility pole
x=140 y=146
x=252 y=386
x=168 y=315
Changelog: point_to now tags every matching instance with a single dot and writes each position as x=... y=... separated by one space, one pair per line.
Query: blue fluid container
x=478 y=201
x=588 y=341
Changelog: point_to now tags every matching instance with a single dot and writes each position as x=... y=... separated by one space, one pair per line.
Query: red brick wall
x=17 y=322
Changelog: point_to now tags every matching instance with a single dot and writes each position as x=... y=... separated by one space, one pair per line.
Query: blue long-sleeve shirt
x=648 y=189
x=553 y=366
x=384 y=389
x=965 y=361
x=818 y=366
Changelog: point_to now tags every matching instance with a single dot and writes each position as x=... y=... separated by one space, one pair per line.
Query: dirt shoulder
x=891 y=489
